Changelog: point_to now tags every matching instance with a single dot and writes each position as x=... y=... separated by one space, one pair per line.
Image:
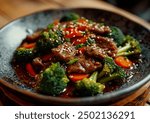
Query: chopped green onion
x=67 y=39
x=50 y=26
x=72 y=61
x=79 y=46
x=90 y=41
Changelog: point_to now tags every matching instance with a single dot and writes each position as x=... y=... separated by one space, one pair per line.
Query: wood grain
x=139 y=97
x=13 y=9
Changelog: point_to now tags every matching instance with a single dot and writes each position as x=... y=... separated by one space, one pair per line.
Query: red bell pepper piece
x=72 y=32
x=78 y=40
x=30 y=70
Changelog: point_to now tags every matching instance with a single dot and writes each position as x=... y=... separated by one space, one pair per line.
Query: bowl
x=13 y=33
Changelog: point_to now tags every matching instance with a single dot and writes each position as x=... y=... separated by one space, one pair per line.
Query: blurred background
x=139 y=7
x=11 y=9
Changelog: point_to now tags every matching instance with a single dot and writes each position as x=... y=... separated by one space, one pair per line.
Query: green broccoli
x=53 y=80
x=117 y=35
x=69 y=17
x=110 y=71
x=131 y=47
x=88 y=86
x=23 y=54
x=49 y=39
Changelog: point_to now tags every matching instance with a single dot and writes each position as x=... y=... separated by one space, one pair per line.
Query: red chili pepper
x=78 y=40
x=30 y=70
x=77 y=77
x=72 y=32
x=82 y=28
x=81 y=50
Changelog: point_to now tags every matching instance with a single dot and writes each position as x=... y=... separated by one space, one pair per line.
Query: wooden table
x=12 y=9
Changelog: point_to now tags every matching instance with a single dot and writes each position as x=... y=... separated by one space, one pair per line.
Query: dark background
x=139 y=7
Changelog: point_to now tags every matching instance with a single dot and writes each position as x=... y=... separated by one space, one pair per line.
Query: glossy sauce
x=68 y=92
x=47 y=59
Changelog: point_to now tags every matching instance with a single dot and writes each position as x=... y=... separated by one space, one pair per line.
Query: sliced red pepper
x=77 y=77
x=28 y=46
x=30 y=70
x=72 y=32
x=78 y=40
x=81 y=50
x=123 y=62
x=82 y=28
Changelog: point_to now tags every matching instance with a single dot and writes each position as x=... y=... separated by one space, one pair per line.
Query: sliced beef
x=96 y=28
x=84 y=66
x=64 y=52
x=37 y=62
x=95 y=51
x=107 y=44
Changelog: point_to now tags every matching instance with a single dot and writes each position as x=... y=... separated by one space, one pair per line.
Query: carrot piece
x=77 y=77
x=28 y=46
x=82 y=20
x=30 y=70
x=123 y=62
x=56 y=22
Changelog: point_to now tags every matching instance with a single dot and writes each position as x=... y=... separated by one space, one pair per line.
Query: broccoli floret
x=53 y=80
x=109 y=67
x=117 y=35
x=69 y=17
x=23 y=54
x=131 y=47
x=48 y=40
x=110 y=71
x=88 y=86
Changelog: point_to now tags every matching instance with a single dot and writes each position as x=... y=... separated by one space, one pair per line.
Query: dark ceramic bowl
x=12 y=35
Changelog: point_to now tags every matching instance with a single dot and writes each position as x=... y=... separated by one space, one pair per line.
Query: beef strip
x=95 y=51
x=107 y=44
x=64 y=52
x=96 y=28
x=84 y=65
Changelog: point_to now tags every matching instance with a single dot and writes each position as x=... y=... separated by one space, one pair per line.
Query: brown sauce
x=89 y=57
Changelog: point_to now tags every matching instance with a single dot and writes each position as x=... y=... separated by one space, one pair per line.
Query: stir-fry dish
x=75 y=57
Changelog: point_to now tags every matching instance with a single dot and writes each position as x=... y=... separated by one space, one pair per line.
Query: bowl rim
x=122 y=13
x=102 y=98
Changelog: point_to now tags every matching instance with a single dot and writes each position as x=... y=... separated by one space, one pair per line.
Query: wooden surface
x=12 y=9
x=138 y=98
